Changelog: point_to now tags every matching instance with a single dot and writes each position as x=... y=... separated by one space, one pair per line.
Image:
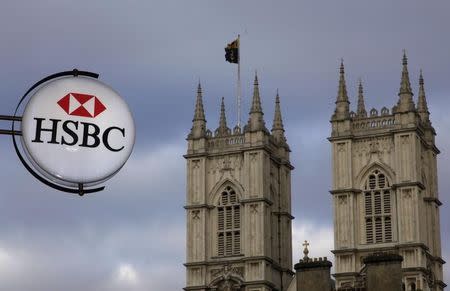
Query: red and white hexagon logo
x=83 y=105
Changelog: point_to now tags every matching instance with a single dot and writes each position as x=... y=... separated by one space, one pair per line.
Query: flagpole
x=239 y=83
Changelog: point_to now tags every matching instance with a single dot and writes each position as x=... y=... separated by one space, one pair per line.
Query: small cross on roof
x=305 y=250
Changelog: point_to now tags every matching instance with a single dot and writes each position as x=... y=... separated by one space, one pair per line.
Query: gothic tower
x=238 y=203
x=384 y=189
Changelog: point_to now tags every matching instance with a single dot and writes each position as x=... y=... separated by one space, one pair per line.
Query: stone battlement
x=373 y=122
x=310 y=263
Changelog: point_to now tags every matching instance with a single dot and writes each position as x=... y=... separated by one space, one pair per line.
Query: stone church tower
x=385 y=193
x=238 y=207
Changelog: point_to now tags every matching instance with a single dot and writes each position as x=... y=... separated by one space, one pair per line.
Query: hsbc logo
x=84 y=105
x=80 y=121
x=83 y=134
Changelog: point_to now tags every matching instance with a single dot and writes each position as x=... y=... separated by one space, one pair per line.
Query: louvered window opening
x=228 y=224
x=377 y=209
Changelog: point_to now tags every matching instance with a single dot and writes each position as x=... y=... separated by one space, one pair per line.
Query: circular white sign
x=77 y=130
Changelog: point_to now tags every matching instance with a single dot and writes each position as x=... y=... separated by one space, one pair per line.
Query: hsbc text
x=91 y=135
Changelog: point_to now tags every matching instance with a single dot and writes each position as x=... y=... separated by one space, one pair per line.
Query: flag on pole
x=232 y=52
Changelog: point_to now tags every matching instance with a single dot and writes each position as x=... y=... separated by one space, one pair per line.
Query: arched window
x=228 y=223
x=377 y=208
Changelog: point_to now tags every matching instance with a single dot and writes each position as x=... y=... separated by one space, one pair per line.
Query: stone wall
x=383 y=272
x=313 y=275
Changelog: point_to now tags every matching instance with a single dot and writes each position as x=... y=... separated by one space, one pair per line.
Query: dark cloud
x=131 y=236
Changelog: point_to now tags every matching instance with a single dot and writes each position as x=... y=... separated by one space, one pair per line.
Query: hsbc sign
x=77 y=130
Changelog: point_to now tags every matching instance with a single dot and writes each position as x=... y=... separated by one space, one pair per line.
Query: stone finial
x=361 y=110
x=342 y=110
x=256 y=120
x=305 y=250
x=223 y=129
x=198 y=129
x=422 y=106
x=277 y=127
x=405 y=102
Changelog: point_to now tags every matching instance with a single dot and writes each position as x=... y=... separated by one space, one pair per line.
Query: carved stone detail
x=228 y=278
x=196 y=214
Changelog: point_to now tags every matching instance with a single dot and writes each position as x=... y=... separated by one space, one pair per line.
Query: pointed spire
x=223 y=118
x=405 y=85
x=342 y=103
x=256 y=101
x=422 y=106
x=198 y=129
x=199 y=111
x=277 y=120
x=277 y=127
x=361 y=110
x=342 y=91
x=405 y=103
x=256 y=120
x=222 y=129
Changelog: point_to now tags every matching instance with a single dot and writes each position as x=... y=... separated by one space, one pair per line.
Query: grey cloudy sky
x=131 y=236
